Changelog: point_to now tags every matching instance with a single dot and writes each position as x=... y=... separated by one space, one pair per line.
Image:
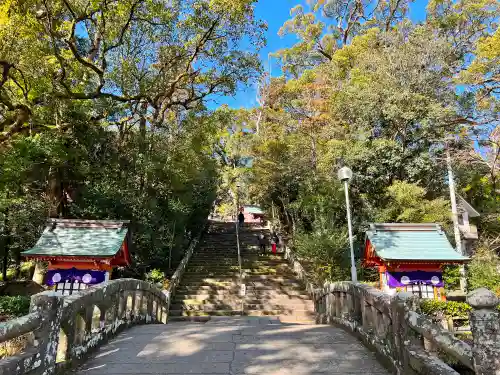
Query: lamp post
x=345 y=174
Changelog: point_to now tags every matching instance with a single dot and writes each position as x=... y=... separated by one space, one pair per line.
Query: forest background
x=105 y=113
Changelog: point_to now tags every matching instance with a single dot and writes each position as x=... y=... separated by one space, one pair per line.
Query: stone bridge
x=121 y=328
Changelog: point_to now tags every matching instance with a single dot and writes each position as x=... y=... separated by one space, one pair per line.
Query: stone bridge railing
x=62 y=331
x=66 y=329
x=406 y=340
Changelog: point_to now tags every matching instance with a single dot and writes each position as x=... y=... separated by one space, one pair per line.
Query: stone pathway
x=233 y=346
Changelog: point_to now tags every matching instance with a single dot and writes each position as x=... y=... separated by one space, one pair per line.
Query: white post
x=354 y=275
x=454 y=216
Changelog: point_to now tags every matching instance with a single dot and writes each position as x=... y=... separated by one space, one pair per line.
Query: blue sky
x=275 y=13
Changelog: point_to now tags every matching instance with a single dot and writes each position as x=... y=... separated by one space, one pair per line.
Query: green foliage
x=155 y=276
x=14 y=306
x=134 y=58
x=451 y=277
x=22 y=272
x=407 y=204
x=326 y=253
x=447 y=309
x=379 y=93
x=102 y=116
x=483 y=270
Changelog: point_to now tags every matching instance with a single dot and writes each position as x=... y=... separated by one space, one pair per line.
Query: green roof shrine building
x=81 y=253
x=410 y=257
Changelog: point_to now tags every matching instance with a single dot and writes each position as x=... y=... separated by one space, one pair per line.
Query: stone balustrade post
x=402 y=335
x=357 y=304
x=485 y=327
x=49 y=305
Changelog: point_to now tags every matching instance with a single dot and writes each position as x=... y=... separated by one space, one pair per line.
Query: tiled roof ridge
x=405 y=227
x=90 y=224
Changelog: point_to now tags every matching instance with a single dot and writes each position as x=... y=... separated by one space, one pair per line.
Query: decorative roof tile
x=80 y=238
x=253 y=210
x=412 y=242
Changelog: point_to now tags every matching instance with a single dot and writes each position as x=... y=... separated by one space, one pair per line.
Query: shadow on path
x=236 y=346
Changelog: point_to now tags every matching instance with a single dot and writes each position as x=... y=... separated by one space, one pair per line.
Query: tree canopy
x=103 y=116
x=367 y=87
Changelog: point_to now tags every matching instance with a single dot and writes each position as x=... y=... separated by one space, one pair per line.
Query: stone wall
x=65 y=330
x=177 y=276
x=406 y=340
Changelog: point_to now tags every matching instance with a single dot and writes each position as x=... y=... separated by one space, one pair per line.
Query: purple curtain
x=83 y=276
x=401 y=279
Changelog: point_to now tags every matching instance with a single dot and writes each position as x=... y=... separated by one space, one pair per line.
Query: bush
x=448 y=309
x=155 y=276
x=14 y=306
x=451 y=277
x=326 y=252
x=483 y=270
x=25 y=271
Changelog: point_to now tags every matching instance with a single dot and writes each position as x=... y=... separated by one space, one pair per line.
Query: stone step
x=236 y=304
x=215 y=299
x=195 y=319
x=246 y=266
x=254 y=294
x=299 y=315
x=209 y=282
x=189 y=275
x=195 y=289
x=230 y=240
x=258 y=290
x=174 y=313
x=270 y=279
x=207 y=307
x=199 y=299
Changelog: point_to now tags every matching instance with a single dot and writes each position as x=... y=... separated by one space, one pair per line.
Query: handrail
x=240 y=273
x=19 y=326
x=408 y=341
x=68 y=328
x=443 y=339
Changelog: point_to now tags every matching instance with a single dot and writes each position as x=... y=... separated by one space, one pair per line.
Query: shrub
x=483 y=270
x=14 y=306
x=448 y=309
x=327 y=252
x=155 y=276
x=25 y=271
x=451 y=277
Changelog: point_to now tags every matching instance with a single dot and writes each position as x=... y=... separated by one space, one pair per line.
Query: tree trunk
x=5 y=263
x=39 y=273
x=6 y=242
x=142 y=144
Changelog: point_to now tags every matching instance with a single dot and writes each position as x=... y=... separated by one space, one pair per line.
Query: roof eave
x=426 y=260
x=32 y=255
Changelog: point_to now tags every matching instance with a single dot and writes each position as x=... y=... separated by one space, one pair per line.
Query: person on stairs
x=241 y=219
x=274 y=242
x=262 y=243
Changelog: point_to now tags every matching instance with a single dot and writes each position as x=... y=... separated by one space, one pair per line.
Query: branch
x=205 y=37
x=71 y=44
x=23 y=113
x=124 y=28
x=5 y=71
x=324 y=53
x=391 y=15
x=98 y=94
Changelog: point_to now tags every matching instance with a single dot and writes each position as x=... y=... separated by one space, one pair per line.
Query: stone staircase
x=210 y=285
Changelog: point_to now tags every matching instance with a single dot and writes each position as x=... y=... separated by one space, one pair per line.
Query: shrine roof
x=254 y=210
x=80 y=238
x=412 y=242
